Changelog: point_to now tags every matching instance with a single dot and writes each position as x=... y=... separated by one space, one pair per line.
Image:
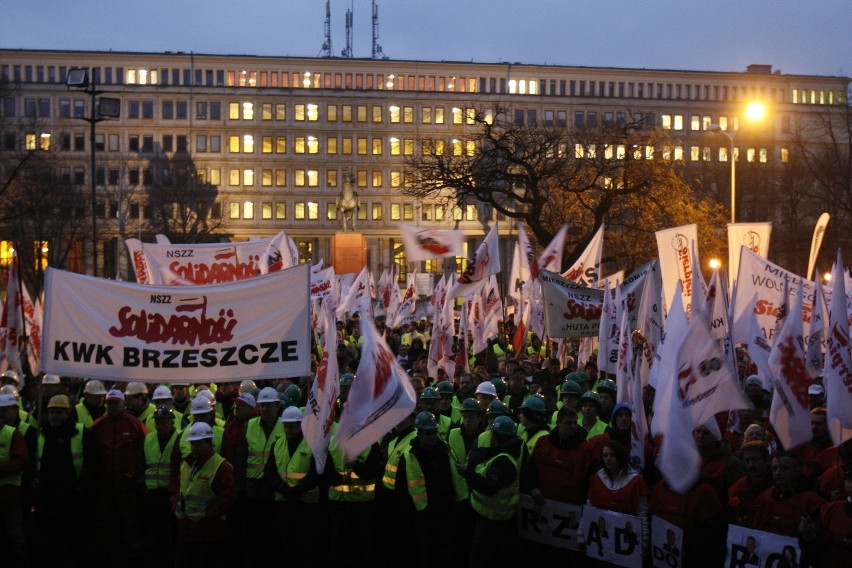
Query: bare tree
x=623 y=174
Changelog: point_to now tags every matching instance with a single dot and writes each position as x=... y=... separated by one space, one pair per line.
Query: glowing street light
x=715 y=263
x=755 y=111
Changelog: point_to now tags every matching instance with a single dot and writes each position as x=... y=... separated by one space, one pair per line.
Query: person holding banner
x=781 y=508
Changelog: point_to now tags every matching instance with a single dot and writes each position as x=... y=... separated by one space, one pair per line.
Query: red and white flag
x=630 y=392
x=358 y=297
x=425 y=244
x=11 y=325
x=33 y=316
x=381 y=396
x=815 y=336
x=319 y=412
x=587 y=269
x=838 y=361
x=440 y=354
x=482 y=265
x=663 y=370
x=407 y=306
x=789 y=413
x=674 y=247
x=753 y=236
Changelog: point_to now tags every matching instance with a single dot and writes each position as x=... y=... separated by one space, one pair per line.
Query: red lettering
x=177 y=329
x=579 y=310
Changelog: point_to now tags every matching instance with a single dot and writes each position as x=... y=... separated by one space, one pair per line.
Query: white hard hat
x=10 y=389
x=200 y=405
x=7 y=400
x=51 y=380
x=11 y=375
x=136 y=388
x=248 y=399
x=200 y=431
x=291 y=414
x=268 y=395
x=208 y=394
x=94 y=387
x=486 y=387
x=162 y=392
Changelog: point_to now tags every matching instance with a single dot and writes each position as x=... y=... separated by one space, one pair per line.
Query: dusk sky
x=795 y=36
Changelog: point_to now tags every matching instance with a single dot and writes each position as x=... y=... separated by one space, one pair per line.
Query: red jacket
x=562 y=473
x=629 y=497
x=699 y=514
x=212 y=527
x=782 y=516
x=742 y=500
x=836 y=522
x=119 y=443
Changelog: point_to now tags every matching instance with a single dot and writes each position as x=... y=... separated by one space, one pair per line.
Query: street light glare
x=755 y=111
x=715 y=263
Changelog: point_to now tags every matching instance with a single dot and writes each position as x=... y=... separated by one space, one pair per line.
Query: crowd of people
x=131 y=474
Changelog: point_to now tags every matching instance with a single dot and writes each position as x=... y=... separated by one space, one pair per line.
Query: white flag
x=676 y=263
x=482 y=265
x=815 y=336
x=381 y=396
x=754 y=236
x=11 y=325
x=789 y=413
x=838 y=362
x=425 y=244
x=587 y=269
x=358 y=297
x=319 y=412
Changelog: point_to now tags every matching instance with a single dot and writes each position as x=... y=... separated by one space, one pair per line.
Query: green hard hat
x=445 y=387
x=581 y=376
x=607 y=385
x=346 y=379
x=430 y=393
x=535 y=404
x=497 y=408
x=501 y=387
x=504 y=426
x=425 y=421
x=570 y=387
x=591 y=395
x=470 y=405
x=294 y=394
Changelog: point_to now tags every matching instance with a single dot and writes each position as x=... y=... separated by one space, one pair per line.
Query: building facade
x=274 y=136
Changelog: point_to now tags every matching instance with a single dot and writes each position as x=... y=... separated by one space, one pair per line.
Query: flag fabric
x=481 y=265
x=319 y=411
x=630 y=392
x=33 y=315
x=407 y=306
x=440 y=354
x=571 y=310
x=816 y=241
x=815 y=337
x=493 y=305
x=838 y=361
x=650 y=321
x=789 y=413
x=425 y=244
x=699 y=286
x=380 y=397
x=754 y=236
x=704 y=385
x=663 y=370
x=606 y=328
x=587 y=269
x=676 y=260
x=11 y=326
x=551 y=257
x=758 y=350
x=357 y=298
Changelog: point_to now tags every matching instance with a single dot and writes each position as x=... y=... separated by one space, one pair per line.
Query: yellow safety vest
x=259 y=446
x=84 y=417
x=196 y=491
x=151 y=423
x=353 y=488
x=502 y=505
x=76 y=450
x=6 y=434
x=417 y=482
x=293 y=468
x=158 y=463
x=395 y=451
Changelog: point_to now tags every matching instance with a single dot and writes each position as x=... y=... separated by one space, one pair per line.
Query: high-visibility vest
x=484 y=440
x=531 y=441
x=456 y=443
x=146 y=412
x=259 y=446
x=417 y=481
x=186 y=446
x=6 y=434
x=76 y=450
x=157 y=462
x=502 y=505
x=151 y=422
x=84 y=417
x=395 y=451
x=353 y=488
x=499 y=352
x=445 y=423
x=291 y=469
x=196 y=491
x=599 y=427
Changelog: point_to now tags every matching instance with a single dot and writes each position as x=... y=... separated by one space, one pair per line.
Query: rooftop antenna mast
x=377 y=49
x=347 y=52
x=327 y=50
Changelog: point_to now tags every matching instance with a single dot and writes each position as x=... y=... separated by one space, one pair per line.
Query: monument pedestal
x=348 y=252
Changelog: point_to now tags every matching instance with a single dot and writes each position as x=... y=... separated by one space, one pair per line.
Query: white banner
x=425 y=244
x=753 y=236
x=666 y=544
x=322 y=282
x=674 y=247
x=750 y=548
x=571 y=310
x=612 y=537
x=255 y=328
x=208 y=263
x=554 y=523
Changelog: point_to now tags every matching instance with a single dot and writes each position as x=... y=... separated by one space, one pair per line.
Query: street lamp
x=754 y=112
x=101 y=109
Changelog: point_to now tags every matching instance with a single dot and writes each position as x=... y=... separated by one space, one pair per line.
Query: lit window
x=395 y=212
x=457 y=115
x=394 y=112
x=362 y=146
x=678 y=122
x=299 y=112
x=457 y=147
x=666 y=121
x=377 y=211
x=470 y=213
x=331 y=145
x=785 y=155
x=248 y=144
x=408 y=212
x=395 y=178
x=234 y=144
x=299 y=145
x=248 y=111
x=694 y=153
x=266 y=178
x=394 y=146
x=234 y=210
x=266 y=145
x=280 y=210
x=280 y=145
x=377 y=178
x=248 y=177
x=408 y=147
x=266 y=210
x=695 y=122
x=313 y=145
x=377 y=146
x=313 y=112
x=233 y=177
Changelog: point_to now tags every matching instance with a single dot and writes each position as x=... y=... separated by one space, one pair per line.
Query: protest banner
x=553 y=523
x=258 y=328
x=612 y=537
x=571 y=310
x=750 y=548
x=666 y=544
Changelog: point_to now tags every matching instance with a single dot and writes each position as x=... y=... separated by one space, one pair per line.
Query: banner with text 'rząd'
x=254 y=328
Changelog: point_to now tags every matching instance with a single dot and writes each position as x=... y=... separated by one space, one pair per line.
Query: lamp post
x=730 y=136
x=101 y=109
